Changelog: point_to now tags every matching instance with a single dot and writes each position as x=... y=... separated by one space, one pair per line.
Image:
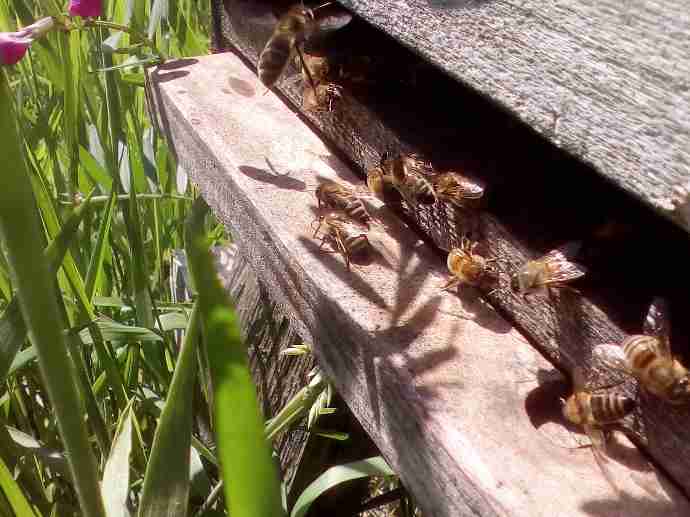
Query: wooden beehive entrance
x=447 y=388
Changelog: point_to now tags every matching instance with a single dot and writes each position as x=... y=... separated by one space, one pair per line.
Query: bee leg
x=306 y=70
x=450 y=284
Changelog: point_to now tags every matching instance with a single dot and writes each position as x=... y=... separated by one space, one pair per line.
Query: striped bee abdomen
x=355 y=209
x=274 y=58
x=640 y=351
x=609 y=407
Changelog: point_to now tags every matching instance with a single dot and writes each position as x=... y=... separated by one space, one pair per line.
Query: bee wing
x=462 y=186
x=658 y=324
x=416 y=164
x=560 y=266
x=613 y=357
x=598 y=447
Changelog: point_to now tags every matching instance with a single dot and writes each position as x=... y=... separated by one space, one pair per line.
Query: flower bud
x=85 y=8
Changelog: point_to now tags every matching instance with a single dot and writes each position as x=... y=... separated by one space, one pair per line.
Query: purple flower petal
x=13 y=46
x=85 y=8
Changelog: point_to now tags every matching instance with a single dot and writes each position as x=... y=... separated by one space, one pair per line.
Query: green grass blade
x=166 y=483
x=376 y=466
x=116 y=473
x=252 y=487
x=21 y=232
x=14 y=494
x=96 y=262
x=12 y=327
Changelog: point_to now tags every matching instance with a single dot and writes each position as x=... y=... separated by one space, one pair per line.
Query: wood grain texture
x=606 y=80
x=266 y=331
x=447 y=389
x=537 y=198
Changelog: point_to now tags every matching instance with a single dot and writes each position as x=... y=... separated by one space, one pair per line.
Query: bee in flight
x=467 y=267
x=456 y=189
x=346 y=236
x=336 y=196
x=293 y=29
x=592 y=411
x=554 y=269
x=649 y=359
x=409 y=175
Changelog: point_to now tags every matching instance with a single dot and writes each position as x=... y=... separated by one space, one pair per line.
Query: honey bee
x=456 y=189
x=322 y=97
x=333 y=195
x=292 y=29
x=408 y=174
x=592 y=410
x=554 y=269
x=467 y=267
x=649 y=359
x=346 y=236
x=376 y=181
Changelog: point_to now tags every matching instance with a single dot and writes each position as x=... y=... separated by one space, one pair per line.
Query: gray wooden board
x=537 y=199
x=608 y=80
x=442 y=383
x=266 y=331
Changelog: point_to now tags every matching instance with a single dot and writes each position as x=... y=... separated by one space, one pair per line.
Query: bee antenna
x=326 y=4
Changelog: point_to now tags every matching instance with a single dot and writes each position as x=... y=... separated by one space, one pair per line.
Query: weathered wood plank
x=606 y=80
x=537 y=199
x=438 y=380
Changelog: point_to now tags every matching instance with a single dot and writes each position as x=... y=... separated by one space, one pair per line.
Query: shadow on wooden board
x=537 y=198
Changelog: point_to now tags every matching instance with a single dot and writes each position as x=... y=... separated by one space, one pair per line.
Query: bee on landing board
x=409 y=175
x=321 y=98
x=592 y=411
x=336 y=196
x=456 y=189
x=324 y=93
x=554 y=269
x=346 y=236
x=649 y=359
x=467 y=267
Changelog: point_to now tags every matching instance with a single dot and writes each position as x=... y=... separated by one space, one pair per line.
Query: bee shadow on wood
x=335 y=263
x=397 y=340
x=283 y=181
x=476 y=309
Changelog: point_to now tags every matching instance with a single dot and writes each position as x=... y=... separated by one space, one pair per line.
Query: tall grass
x=101 y=412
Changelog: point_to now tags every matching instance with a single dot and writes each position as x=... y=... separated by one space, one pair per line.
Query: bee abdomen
x=274 y=59
x=640 y=351
x=607 y=407
x=355 y=209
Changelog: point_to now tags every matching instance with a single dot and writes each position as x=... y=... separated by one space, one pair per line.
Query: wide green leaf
x=252 y=488
x=375 y=466
x=111 y=330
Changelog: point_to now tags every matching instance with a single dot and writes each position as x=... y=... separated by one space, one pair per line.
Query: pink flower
x=85 y=8
x=13 y=45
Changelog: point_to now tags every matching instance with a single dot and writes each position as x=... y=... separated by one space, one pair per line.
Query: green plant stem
x=20 y=230
x=99 y=200
x=138 y=36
